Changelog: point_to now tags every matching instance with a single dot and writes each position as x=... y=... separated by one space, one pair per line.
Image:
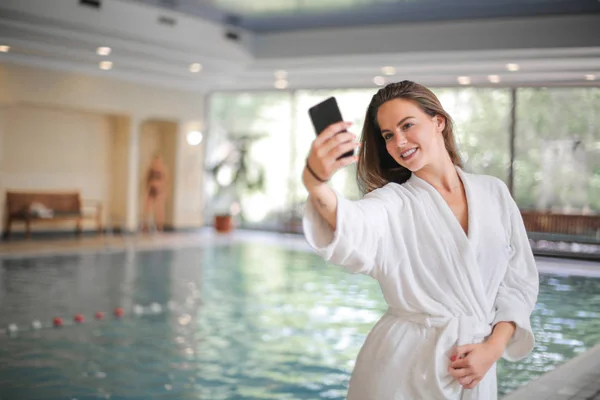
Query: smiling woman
x=448 y=248
x=403 y=120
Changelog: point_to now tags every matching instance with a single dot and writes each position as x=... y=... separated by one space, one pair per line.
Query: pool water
x=244 y=321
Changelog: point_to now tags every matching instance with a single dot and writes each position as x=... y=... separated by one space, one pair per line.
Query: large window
x=557 y=140
x=482 y=123
x=557 y=157
x=250 y=137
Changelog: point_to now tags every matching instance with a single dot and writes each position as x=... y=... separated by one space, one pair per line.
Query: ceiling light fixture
x=106 y=65
x=388 y=70
x=379 y=80
x=4 y=49
x=512 y=67
x=281 y=84
x=281 y=74
x=494 y=78
x=195 y=67
x=464 y=80
x=590 y=77
x=103 y=51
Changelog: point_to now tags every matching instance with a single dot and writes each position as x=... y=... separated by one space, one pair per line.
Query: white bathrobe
x=443 y=287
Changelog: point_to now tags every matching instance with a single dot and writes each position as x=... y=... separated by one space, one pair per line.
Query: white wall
x=2 y=198
x=67 y=108
x=189 y=178
x=116 y=212
x=97 y=94
x=56 y=149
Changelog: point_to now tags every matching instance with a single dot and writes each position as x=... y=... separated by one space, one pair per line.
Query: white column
x=188 y=178
x=3 y=110
x=133 y=163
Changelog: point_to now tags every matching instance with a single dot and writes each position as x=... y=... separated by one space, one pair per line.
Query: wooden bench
x=34 y=207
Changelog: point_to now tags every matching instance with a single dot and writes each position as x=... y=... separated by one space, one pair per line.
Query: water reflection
x=243 y=322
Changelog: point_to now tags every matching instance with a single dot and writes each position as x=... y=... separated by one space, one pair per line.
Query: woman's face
x=412 y=138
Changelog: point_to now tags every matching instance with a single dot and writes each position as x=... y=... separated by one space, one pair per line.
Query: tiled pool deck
x=578 y=379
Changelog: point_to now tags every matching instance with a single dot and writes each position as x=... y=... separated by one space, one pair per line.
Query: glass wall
x=248 y=156
x=557 y=157
x=482 y=126
x=556 y=162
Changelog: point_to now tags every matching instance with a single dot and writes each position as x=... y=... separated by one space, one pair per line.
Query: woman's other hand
x=471 y=362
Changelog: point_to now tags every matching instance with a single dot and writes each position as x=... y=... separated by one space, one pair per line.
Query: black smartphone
x=324 y=114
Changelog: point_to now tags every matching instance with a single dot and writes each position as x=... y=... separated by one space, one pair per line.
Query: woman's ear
x=440 y=123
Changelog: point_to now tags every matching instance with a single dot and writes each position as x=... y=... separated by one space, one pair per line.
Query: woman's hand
x=471 y=362
x=325 y=151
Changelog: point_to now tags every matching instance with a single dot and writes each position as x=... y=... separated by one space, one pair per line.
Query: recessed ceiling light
x=512 y=67
x=106 y=65
x=281 y=74
x=379 y=80
x=590 y=77
x=281 y=84
x=4 y=49
x=464 y=80
x=494 y=78
x=388 y=70
x=103 y=51
x=195 y=67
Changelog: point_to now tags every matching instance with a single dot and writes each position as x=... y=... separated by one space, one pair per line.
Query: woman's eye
x=387 y=136
x=407 y=125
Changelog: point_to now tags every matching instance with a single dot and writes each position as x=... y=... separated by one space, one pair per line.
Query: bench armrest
x=90 y=203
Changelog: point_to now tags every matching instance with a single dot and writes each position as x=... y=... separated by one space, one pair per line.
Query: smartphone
x=324 y=114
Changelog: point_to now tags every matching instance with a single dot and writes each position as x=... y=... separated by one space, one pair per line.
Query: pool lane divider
x=117 y=313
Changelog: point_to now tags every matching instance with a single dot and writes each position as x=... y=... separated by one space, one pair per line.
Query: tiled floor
x=141 y=242
x=578 y=379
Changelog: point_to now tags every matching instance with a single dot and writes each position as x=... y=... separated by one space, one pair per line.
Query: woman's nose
x=401 y=139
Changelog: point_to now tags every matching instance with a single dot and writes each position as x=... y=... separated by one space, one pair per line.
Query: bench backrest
x=62 y=202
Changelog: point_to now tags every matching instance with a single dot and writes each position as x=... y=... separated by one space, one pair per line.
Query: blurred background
x=188 y=119
x=221 y=90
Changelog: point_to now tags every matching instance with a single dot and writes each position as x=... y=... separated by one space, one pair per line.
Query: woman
x=448 y=248
x=156 y=192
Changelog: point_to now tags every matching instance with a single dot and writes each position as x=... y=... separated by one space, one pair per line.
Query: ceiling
x=321 y=46
x=282 y=15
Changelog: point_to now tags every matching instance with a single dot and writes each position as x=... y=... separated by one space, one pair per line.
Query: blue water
x=246 y=322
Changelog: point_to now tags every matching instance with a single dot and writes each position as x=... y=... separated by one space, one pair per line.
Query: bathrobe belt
x=466 y=329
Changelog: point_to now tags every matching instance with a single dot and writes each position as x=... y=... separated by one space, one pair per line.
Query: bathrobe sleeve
x=362 y=230
x=519 y=288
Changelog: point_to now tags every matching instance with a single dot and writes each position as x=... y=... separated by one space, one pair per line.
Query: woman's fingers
x=337 y=140
x=329 y=145
x=466 y=380
x=331 y=131
x=461 y=363
x=342 y=162
x=460 y=372
x=471 y=385
x=336 y=152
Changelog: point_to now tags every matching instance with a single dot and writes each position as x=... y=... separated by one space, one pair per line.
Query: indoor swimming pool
x=239 y=321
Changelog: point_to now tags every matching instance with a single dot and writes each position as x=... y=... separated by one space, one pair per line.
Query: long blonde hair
x=376 y=167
